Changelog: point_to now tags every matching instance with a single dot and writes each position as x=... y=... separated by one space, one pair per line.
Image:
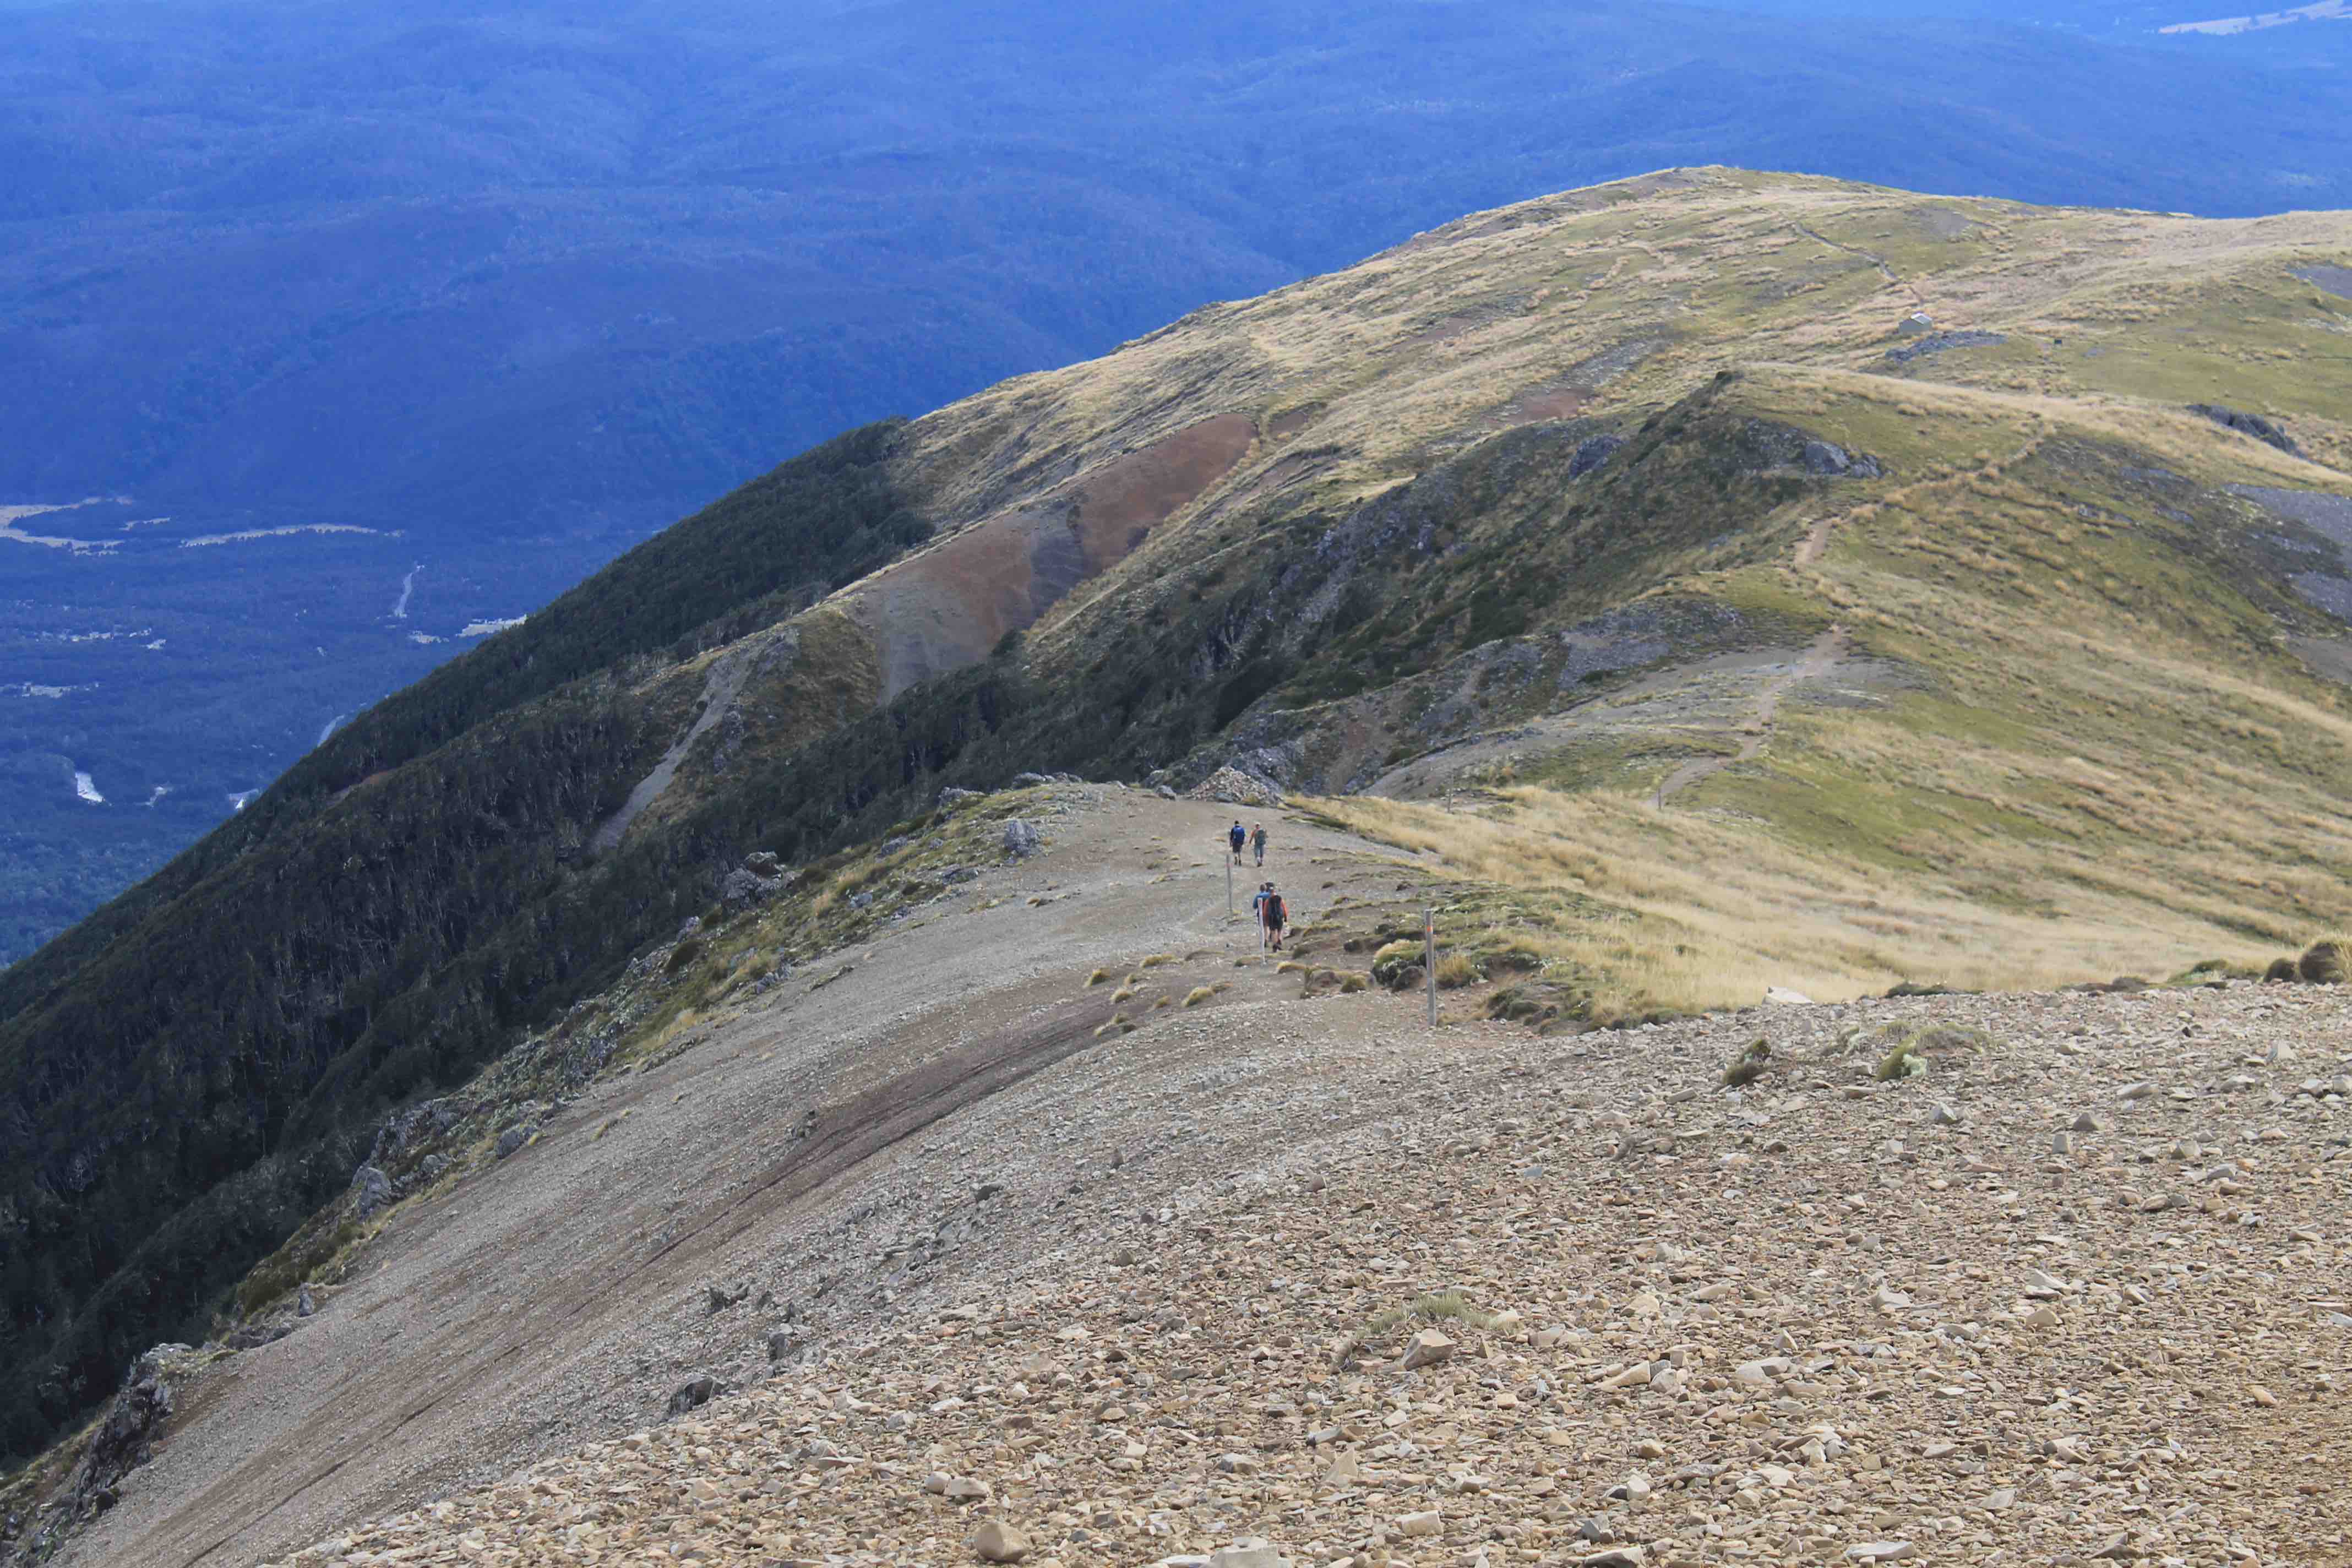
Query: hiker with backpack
x=1273 y=916
x=1257 y=842
x=1236 y=838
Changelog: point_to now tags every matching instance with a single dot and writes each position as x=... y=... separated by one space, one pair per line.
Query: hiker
x=1257 y=842
x=1275 y=917
x=1236 y=838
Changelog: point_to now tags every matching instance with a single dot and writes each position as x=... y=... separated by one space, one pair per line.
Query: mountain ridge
x=1602 y=469
x=500 y=290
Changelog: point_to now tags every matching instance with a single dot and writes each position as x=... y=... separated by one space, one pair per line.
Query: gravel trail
x=2076 y=1293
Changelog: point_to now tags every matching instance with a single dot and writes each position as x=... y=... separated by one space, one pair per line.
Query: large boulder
x=2246 y=424
x=695 y=1394
x=1022 y=840
x=371 y=1190
x=744 y=886
x=1593 y=453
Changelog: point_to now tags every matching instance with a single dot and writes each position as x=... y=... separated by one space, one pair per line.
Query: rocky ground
x=1275 y=1278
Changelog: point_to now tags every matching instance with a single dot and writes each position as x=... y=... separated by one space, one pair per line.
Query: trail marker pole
x=1429 y=959
x=1229 y=880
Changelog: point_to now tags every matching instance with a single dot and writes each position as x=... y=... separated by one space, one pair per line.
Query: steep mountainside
x=1641 y=549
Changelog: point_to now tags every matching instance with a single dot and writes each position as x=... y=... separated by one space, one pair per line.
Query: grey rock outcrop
x=745 y=886
x=1834 y=462
x=1765 y=447
x=1594 y=453
x=371 y=1190
x=406 y=1129
x=125 y=1439
x=1021 y=838
x=2245 y=424
x=1942 y=343
x=694 y=1395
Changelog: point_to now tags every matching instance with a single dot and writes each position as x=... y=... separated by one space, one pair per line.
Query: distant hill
x=1798 y=577
x=511 y=285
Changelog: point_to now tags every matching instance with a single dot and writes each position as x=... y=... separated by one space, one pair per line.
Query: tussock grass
x=1754 y=1060
x=1393 y=962
x=1155 y=960
x=1455 y=972
x=1903 y=1059
x=2327 y=962
x=1435 y=1306
x=1100 y=977
x=1198 y=994
x=1909 y=1048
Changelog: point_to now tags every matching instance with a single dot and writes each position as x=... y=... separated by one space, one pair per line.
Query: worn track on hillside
x=502 y=1319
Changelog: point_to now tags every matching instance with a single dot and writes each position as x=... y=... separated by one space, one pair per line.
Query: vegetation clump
x=1455 y=970
x=2327 y=962
x=1753 y=1061
x=1433 y=1306
x=1907 y=1048
x=1398 y=964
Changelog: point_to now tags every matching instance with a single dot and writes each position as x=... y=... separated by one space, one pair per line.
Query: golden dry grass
x=1715 y=911
x=2106 y=762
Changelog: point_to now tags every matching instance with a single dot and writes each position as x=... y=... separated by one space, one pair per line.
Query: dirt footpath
x=2073 y=1291
x=562 y=1294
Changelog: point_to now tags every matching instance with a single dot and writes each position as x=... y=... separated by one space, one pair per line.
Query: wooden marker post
x=1429 y=959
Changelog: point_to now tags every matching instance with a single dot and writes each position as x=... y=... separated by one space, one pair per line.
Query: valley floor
x=2077 y=1291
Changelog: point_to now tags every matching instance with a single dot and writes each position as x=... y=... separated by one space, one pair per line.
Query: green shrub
x=1750 y=1065
x=1900 y=1062
x=1433 y=1306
